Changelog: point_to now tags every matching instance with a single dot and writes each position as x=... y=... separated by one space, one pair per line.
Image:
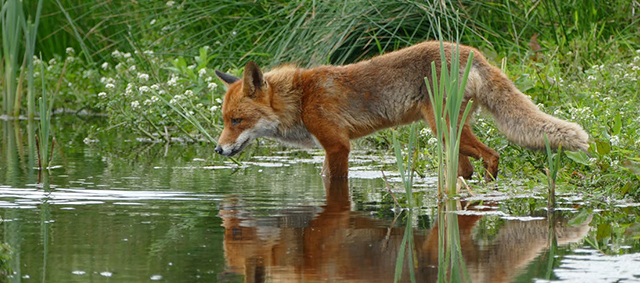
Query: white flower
x=591 y=78
x=188 y=93
x=170 y=3
x=148 y=52
x=143 y=77
x=126 y=55
x=102 y=94
x=615 y=140
x=105 y=66
x=202 y=72
x=212 y=86
x=36 y=60
x=191 y=67
x=36 y=74
x=135 y=104
x=208 y=79
x=52 y=61
x=147 y=102
x=218 y=100
x=119 y=66
x=116 y=54
x=635 y=68
x=173 y=81
x=213 y=108
x=132 y=68
x=173 y=101
x=70 y=50
x=154 y=98
x=143 y=89
x=110 y=86
x=155 y=87
x=152 y=22
x=129 y=89
x=234 y=33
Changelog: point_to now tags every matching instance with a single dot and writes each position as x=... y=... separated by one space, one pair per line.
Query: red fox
x=330 y=105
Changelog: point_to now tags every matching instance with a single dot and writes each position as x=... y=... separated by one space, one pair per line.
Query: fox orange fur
x=330 y=105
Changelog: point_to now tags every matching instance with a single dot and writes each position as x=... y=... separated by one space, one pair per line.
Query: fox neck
x=285 y=97
x=287 y=93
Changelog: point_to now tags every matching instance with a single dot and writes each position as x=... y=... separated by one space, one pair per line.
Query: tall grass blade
x=31 y=30
x=44 y=123
x=85 y=50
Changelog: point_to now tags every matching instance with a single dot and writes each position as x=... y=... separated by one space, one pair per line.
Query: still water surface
x=125 y=211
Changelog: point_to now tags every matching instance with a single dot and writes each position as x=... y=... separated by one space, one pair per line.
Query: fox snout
x=234 y=148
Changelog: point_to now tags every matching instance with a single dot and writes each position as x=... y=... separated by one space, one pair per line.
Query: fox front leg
x=336 y=161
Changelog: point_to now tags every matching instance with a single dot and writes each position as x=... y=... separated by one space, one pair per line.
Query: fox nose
x=218 y=149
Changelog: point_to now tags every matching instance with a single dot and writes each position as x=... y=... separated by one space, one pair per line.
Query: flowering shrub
x=143 y=91
x=70 y=81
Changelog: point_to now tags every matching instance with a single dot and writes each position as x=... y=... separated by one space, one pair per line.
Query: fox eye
x=236 y=121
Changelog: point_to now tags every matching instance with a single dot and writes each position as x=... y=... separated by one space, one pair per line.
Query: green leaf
x=603 y=147
x=579 y=157
x=617 y=124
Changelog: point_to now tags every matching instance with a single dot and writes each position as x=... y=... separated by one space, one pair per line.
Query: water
x=125 y=211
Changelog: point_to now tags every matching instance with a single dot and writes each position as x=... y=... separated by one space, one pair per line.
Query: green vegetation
x=578 y=60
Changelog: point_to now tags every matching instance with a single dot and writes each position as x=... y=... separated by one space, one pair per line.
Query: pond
x=133 y=211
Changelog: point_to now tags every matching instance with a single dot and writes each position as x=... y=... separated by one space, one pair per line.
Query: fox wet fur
x=330 y=105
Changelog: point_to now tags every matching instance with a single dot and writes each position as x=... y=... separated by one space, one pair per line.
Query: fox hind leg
x=471 y=146
x=465 y=168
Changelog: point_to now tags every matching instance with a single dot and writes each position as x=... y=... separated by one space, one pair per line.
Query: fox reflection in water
x=333 y=243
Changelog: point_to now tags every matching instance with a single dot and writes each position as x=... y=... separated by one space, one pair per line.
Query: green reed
x=447 y=97
x=553 y=165
x=30 y=32
x=43 y=140
x=12 y=17
x=407 y=173
x=407 y=245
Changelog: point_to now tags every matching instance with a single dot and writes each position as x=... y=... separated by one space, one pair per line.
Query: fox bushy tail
x=518 y=117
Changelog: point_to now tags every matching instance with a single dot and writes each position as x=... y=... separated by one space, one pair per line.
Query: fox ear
x=226 y=78
x=253 y=80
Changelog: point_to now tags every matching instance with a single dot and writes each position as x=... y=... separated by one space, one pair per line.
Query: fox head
x=246 y=110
